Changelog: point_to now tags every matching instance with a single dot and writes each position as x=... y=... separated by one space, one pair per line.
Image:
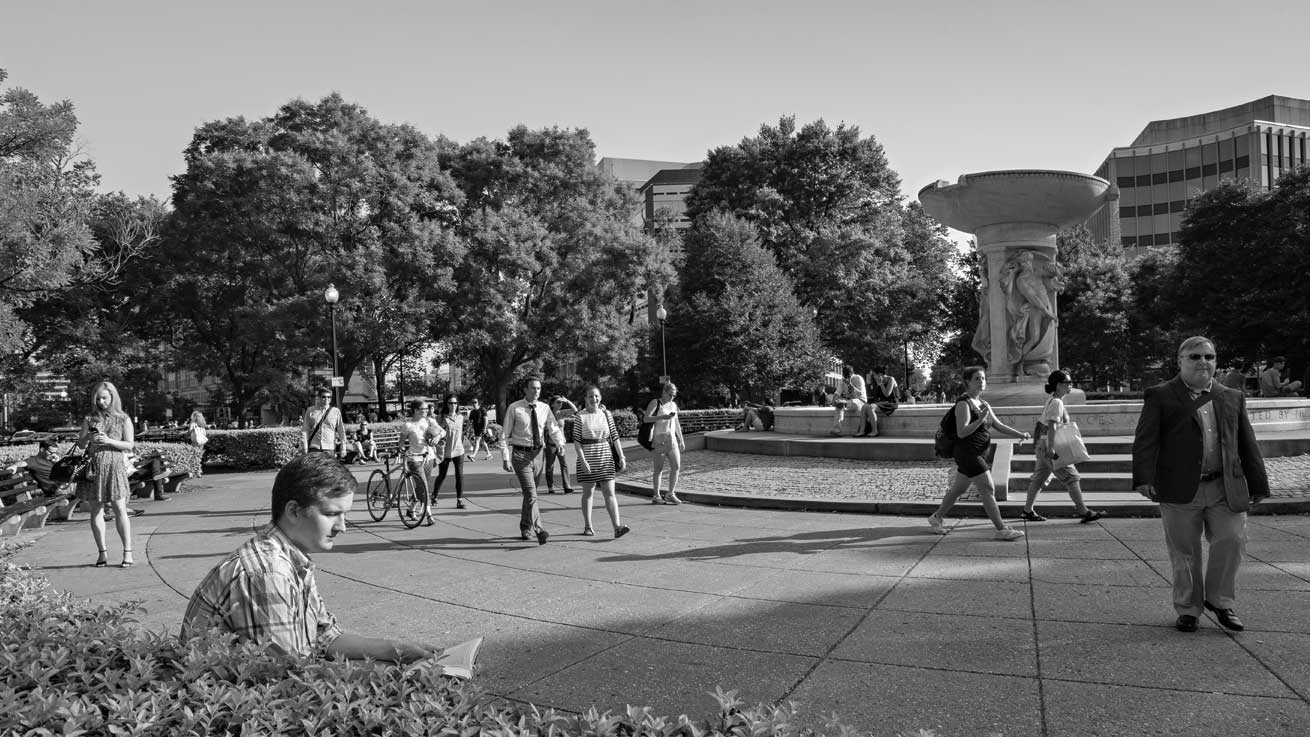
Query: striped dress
x=594 y=430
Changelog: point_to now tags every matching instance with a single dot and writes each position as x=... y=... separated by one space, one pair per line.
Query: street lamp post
x=331 y=295
x=662 y=314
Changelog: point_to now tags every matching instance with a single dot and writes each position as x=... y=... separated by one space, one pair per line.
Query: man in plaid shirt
x=265 y=592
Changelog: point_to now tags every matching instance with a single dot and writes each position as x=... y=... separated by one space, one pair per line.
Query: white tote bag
x=1067 y=444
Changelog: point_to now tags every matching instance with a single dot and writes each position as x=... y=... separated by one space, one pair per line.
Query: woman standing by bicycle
x=452 y=447
x=419 y=435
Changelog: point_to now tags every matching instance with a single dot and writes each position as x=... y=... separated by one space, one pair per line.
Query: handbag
x=1067 y=446
x=645 y=434
x=200 y=437
x=616 y=450
x=71 y=469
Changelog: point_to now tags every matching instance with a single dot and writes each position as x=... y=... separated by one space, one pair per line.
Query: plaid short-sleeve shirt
x=264 y=592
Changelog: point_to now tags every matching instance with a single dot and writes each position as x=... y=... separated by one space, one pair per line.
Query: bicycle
x=381 y=494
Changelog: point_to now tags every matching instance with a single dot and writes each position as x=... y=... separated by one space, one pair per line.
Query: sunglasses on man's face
x=1199 y=356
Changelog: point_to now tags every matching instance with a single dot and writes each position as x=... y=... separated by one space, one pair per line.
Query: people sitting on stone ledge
x=755 y=418
x=1272 y=383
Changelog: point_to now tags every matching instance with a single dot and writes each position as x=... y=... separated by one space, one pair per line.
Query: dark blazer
x=1167 y=446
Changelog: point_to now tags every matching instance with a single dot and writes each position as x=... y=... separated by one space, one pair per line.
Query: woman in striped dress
x=107 y=435
x=593 y=431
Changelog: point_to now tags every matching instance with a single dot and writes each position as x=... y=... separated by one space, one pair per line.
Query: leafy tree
x=46 y=194
x=827 y=206
x=1093 y=308
x=553 y=258
x=1242 y=257
x=793 y=184
x=739 y=326
x=269 y=212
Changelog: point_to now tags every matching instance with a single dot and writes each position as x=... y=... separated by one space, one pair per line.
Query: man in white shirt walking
x=527 y=422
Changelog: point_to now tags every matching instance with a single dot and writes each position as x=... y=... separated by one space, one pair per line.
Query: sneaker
x=1091 y=516
x=935 y=524
x=673 y=499
x=1008 y=533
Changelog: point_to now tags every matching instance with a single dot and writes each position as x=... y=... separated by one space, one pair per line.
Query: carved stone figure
x=982 y=337
x=1030 y=306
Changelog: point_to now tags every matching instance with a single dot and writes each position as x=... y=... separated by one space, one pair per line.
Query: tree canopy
x=554 y=258
x=46 y=195
x=876 y=273
x=269 y=212
x=737 y=324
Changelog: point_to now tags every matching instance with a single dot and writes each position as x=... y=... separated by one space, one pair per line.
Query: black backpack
x=943 y=443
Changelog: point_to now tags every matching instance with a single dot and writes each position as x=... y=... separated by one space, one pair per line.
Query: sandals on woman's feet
x=127 y=559
x=1032 y=516
x=588 y=532
x=102 y=561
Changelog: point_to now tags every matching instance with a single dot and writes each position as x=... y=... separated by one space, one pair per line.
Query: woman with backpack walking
x=974 y=421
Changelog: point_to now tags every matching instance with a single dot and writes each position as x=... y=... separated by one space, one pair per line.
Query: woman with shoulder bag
x=1053 y=415
x=596 y=439
x=197 y=433
x=107 y=435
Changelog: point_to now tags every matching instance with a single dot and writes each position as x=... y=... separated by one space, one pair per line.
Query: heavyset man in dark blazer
x=1195 y=453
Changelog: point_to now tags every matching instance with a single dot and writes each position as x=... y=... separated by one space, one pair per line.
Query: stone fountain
x=1014 y=216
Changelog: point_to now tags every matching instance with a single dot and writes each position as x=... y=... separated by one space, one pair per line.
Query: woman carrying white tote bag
x=1059 y=445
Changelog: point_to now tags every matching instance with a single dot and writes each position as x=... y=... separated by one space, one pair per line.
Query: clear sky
x=947 y=87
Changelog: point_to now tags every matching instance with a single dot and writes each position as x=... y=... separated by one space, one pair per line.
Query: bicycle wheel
x=410 y=504
x=377 y=495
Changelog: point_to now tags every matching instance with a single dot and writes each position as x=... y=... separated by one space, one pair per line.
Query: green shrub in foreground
x=70 y=667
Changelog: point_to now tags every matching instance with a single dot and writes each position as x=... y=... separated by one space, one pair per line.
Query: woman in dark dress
x=107 y=435
x=974 y=420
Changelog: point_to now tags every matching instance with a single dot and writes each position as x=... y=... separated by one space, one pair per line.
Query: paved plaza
x=1066 y=632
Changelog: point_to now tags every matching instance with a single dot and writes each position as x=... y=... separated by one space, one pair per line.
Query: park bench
x=155 y=476
x=25 y=506
x=387 y=442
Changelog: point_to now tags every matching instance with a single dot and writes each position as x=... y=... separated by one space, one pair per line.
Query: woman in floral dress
x=107 y=435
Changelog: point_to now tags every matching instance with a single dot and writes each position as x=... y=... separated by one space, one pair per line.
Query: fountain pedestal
x=1014 y=216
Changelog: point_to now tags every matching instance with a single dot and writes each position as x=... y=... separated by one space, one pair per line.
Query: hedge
x=72 y=667
x=185 y=457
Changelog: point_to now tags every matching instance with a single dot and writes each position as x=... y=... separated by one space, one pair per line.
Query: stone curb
x=1114 y=508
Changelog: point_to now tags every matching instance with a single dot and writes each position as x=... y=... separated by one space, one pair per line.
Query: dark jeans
x=554 y=453
x=527 y=467
x=459 y=476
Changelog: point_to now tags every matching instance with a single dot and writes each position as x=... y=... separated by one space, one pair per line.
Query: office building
x=1172 y=161
x=663 y=187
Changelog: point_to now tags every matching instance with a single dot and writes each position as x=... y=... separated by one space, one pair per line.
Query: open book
x=458 y=661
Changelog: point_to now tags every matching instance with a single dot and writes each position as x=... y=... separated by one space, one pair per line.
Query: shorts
x=969 y=463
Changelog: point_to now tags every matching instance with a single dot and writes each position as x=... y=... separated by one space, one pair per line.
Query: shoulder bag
x=616 y=448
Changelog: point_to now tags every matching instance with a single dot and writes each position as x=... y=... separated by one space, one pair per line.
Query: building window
x=1193 y=172
x=1125 y=182
x=1144 y=180
x=1128 y=242
x=1176 y=175
x=1161 y=239
x=1225 y=166
x=1209 y=170
x=1160 y=178
x=1160 y=208
x=1177 y=205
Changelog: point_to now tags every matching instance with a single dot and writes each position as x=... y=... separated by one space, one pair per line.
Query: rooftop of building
x=1272 y=109
x=689 y=174
x=637 y=172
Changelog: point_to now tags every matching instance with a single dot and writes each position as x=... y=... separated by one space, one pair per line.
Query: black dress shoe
x=542 y=537
x=1226 y=617
x=1186 y=623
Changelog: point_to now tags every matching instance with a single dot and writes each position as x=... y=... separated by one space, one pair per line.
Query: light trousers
x=1224 y=530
